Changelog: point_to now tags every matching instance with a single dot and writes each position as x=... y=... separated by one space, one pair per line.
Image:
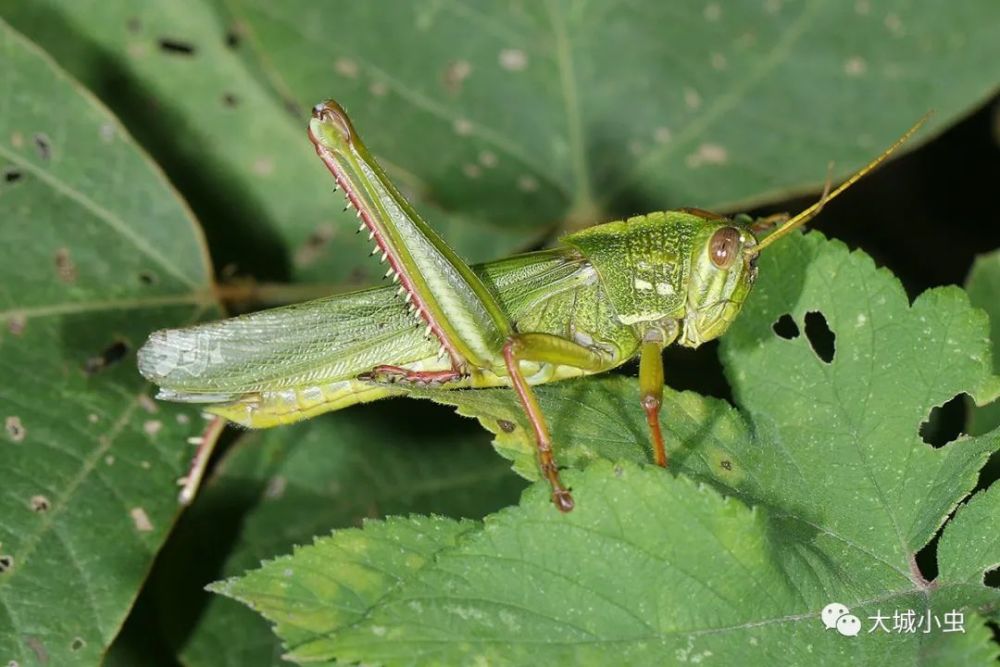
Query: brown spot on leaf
x=16 y=323
x=455 y=74
x=39 y=504
x=77 y=644
x=230 y=100
x=44 y=145
x=726 y=463
x=65 y=268
x=141 y=520
x=506 y=426
x=15 y=429
x=311 y=250
x=12 y=175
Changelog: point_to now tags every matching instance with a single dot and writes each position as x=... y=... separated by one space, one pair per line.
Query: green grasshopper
x=601 y=297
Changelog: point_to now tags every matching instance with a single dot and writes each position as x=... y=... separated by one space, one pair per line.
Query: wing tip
x=170 y=353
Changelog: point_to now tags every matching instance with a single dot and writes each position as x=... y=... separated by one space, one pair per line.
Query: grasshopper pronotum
x=601 y=297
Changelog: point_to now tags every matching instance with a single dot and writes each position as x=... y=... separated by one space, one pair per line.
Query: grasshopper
x=598 y=299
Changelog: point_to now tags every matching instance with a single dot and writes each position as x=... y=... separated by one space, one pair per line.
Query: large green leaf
x=96 y=251
x=589 y=110
x=174 y=73
x=828 y=451
x=285 y=486
x=505 y=120
x=651 y=570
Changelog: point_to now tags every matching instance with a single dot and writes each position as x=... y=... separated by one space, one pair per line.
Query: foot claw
x=563 y=500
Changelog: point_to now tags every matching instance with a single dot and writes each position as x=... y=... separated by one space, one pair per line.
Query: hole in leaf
x=77 y=644
x=65 y=268
x=12 y=175
x=176 y=46
x=926 y=559
x=945 y=422
x=230 y=100
x=821 y=338
x=110 y=356
x=233 y=37
x=6 y=562
x=148 y=278
x=786 y=327
x=44 y=145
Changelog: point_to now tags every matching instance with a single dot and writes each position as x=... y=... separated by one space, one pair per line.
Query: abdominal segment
x=264 y=409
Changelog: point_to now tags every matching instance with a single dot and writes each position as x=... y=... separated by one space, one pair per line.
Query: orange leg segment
x=651 y=394
x=549 y=349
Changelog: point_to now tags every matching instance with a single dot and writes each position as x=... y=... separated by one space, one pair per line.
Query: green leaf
x=695 y=576
x=983 y=286
x=590 y=110
x=240 y=155
x=965 y=551
x=97 y=251
x=829 y=453
x=282 y=487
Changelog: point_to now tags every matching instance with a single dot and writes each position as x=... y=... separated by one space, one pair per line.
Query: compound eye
x=724 y=246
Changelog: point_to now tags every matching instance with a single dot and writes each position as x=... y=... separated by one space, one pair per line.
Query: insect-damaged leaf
x=97 y=250
x=184 y=86
x=549 y=111
x=504 y=121
x=653 y=566
x=983 y=286
x=696 y=577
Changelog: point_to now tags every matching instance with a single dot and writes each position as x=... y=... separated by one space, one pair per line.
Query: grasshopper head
x=723 y=269
x=724 y=258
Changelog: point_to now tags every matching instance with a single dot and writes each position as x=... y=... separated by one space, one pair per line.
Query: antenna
x=811 y=212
